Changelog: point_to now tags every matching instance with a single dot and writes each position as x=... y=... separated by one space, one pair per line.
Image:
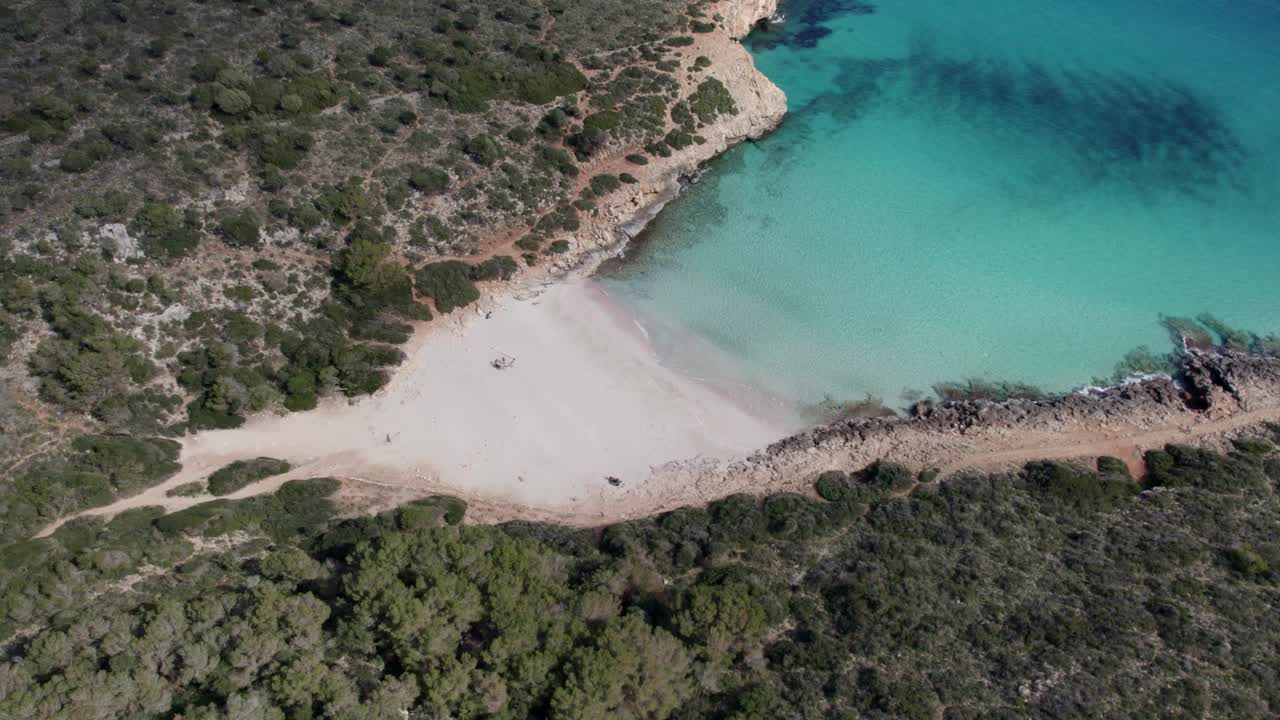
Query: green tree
x=448 y=283
x=631 y=670
x=233 y=101
x=242 y=228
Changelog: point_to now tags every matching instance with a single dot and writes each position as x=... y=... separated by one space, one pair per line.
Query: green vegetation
x=191 y=489
x=241 y=473
x=710 y=100
x=957 y=600
x=283 y=170
x=93 y=470
x=499 y=267
x=978 y=389
x=605 y=184
x=448 y=283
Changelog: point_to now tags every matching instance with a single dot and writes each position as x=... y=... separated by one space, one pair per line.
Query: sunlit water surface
x=1001 y=189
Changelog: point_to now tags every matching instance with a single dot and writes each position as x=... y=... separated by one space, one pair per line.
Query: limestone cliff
x=760 y=108
x=740 y=16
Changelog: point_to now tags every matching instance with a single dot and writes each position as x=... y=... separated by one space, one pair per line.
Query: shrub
x=1246 y=561
x=244 y=472
x=888 y=477
x=833 y=486
x=1113 y=466
x=242 y=228
x=587 y=142
x=679 y=139
x=544 y=83
x=165 y=232
x=76 y=161
x=190 y=489
x=637 y=159
x=432 y=512
x=605 y=184
x=429 y=180
x=603 y=120
x=628 y=178
x=560 y=160
x=448 y=283
x=482 y=149
x=1078 y=489
x=710 y=100
x=233 y=101
x=190 y=519
x=499 y=267
x=661 y=149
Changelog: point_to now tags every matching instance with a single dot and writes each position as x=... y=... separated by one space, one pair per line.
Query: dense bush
x=499 y=267
x=242 y=228
x=448 y=283
x=605 y=184
x=241 y=473
x=429 y=180
x=94 y=470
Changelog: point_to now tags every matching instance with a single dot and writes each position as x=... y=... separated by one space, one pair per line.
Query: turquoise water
x=1008 y=190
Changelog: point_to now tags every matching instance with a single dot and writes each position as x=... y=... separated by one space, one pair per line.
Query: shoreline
x=587 y=392
x=586 y=399
x=590 y=399
x=1221 y=395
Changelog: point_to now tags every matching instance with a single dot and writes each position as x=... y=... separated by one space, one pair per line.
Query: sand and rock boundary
x=1218 y=395
x=589 y=400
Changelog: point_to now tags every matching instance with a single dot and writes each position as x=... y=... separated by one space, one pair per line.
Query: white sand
x=586 y=398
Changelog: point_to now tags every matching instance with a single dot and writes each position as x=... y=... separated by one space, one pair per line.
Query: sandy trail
x=1130 y=448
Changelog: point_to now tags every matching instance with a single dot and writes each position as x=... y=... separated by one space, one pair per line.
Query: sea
x=1002 y=190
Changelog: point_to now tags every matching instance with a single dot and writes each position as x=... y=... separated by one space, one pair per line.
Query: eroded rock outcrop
x=1218 y=395
x=740 y=16
x=760 y=107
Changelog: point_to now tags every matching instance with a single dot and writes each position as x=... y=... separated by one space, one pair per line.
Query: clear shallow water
x=1002 y=189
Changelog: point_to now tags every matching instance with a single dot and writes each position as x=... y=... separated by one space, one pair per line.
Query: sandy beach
x=585 y=399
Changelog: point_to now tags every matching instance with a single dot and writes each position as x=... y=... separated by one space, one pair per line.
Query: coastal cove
x=584 y=400
x=598 y=391
x=954 y=198
x=639 y=360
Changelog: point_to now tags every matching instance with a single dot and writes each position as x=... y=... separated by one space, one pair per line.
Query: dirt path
x=372 y=486
x=1130 y=448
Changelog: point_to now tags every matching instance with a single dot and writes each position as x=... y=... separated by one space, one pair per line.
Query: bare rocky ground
x=1219 y=395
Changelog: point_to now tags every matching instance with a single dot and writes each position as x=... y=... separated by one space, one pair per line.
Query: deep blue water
x=1009 y=190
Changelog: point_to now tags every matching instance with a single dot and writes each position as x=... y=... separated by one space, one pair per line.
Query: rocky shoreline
x=1216 y=395
x=761 y=106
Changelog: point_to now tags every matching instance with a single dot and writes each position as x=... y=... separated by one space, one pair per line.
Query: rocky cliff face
x=740 y=16
x=760 y=108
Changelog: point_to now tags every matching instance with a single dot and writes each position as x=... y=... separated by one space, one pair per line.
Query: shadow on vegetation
x=886 y=595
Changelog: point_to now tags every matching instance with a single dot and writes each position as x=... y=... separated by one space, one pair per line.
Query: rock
x=741 y=16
